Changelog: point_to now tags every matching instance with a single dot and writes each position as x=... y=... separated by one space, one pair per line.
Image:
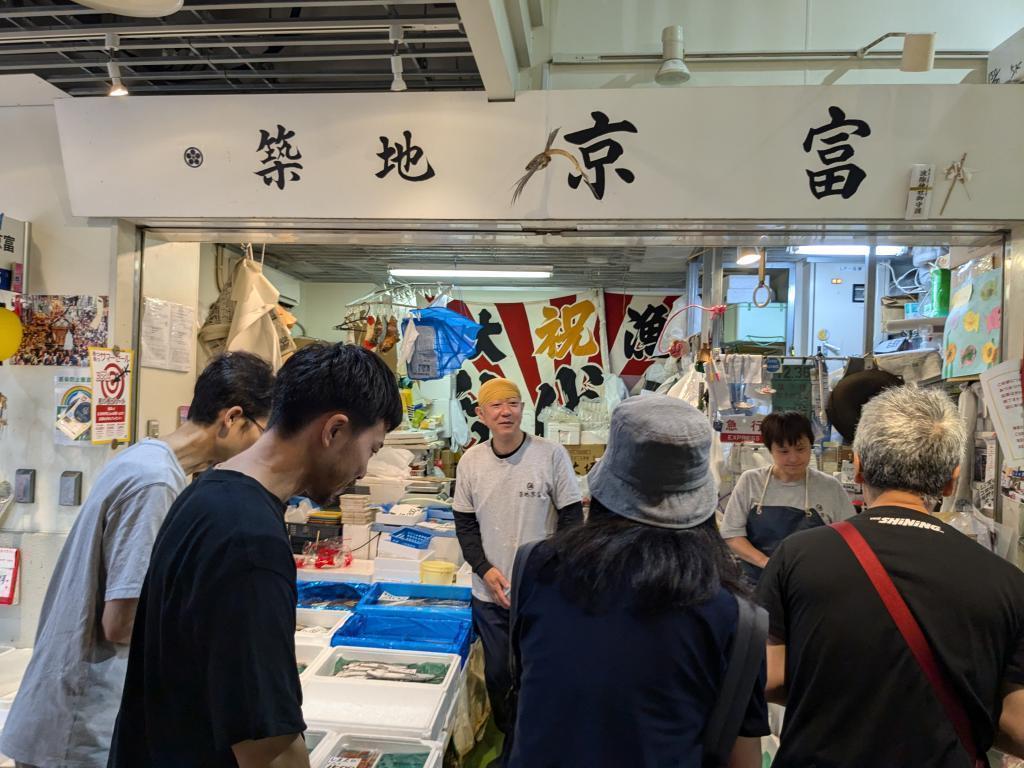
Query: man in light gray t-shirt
x=64 y=712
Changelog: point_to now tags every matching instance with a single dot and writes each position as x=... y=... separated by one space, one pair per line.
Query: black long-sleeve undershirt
x=467 y=528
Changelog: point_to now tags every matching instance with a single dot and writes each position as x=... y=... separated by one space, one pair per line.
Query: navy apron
x=767 y=526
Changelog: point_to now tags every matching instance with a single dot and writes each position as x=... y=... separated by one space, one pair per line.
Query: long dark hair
x=611 y=559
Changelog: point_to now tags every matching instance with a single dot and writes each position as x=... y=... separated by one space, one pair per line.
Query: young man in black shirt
x=212 y=679
x=856 y=696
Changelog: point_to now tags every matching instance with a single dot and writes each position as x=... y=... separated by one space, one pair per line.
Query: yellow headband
x=494 y=390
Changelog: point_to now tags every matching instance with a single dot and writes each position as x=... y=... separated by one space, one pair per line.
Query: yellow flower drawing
x=989 y=353
x=972 y=321
x=950 y=354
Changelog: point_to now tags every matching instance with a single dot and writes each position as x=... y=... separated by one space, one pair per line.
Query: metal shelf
x=913 y=323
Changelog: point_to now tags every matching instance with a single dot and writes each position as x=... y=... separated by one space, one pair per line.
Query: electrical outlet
x=25 y=486
x=153 y=428
x=70 y=489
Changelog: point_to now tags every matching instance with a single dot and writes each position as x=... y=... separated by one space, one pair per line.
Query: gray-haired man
x=856 y=695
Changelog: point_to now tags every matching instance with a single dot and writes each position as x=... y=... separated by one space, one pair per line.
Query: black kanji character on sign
x=572 y=394
x=8 y=243
x=484 y=343
x=1014 y=69
x=403 y=158
x=600 y=153
x=845 y=179
x=641 y=342
x=994 y=75
x=281 y=160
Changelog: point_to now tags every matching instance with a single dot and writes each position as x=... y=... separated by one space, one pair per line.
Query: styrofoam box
x=385 y=490
x=386 y=518
x=399 y=569
x=326 y=620
x=360 y=572
x=380 y=707
x=324 y=738
x=388 y=550
x=386 y=746
x=309 y=654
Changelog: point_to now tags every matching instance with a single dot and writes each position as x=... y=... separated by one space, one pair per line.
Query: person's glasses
x=256 y=424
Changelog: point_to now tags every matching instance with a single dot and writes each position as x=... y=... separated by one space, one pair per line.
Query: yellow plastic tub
x=437 y=572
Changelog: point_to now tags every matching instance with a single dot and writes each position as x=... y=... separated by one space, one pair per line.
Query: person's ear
x=227 y=419
x=950 y=487
x=858 y=474
x=336 y=427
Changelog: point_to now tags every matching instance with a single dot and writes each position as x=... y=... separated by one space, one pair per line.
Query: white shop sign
x=835 y=152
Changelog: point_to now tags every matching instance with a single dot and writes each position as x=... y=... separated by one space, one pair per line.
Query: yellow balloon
x=10 y=333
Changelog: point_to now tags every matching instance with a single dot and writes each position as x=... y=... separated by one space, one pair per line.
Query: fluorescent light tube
x=524 y=273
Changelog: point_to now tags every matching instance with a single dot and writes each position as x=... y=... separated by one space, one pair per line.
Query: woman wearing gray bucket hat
x=623 y=627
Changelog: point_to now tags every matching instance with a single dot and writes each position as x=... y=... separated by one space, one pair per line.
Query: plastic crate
x=433 y=751
x=381 y=707
x=407 y=633
x=411 y=537
x=372 y=603
x=311 y=593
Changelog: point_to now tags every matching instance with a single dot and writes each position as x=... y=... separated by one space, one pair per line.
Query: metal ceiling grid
x=240 y=46
x=586 y=267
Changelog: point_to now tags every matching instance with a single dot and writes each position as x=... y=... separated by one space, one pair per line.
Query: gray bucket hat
x=655 y=470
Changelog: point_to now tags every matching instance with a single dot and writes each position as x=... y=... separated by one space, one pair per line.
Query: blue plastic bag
x=446 y=340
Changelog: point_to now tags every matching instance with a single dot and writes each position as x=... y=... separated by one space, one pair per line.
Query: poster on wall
x=635 y=322
x=973 y=331
x=58 y=330
x=550 y=348
x=72 y=400
x=111 y=375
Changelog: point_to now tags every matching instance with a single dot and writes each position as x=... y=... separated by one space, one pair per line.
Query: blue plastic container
x=411 y=537
x=406 y=633
x=311 y=592
x=371 y=603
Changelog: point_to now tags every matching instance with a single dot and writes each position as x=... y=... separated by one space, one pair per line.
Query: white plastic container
x=380 y=707
x=464 y=576
x=401 y=570
x=320 y=741
x=321 y=624
x=386 y=549
x=389 y=518
x=393 y=745
x=308 y=655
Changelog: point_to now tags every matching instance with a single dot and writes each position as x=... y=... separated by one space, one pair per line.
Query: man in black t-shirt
x=212 y=679
x=855 y=695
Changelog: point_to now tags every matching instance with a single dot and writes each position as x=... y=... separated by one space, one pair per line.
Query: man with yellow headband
x=511 y=490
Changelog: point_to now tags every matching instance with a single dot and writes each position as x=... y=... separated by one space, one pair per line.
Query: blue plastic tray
x=318 y=591
x=406 y=633
x=371 y=603
x=411 y=537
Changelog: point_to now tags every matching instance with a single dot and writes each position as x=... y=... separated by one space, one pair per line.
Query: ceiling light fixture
x=397 y=66
x=848 y=250
x=140 y=9
x=117 y=88
x=509 y=271
x=918 y=50
x=748 y=256
x=673 y=69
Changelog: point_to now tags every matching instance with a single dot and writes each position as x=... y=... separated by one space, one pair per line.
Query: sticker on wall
x=973 y=330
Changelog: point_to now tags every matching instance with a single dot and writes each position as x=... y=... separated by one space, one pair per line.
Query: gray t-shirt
x=63 y=715
x=514 y=498
x=824 y=493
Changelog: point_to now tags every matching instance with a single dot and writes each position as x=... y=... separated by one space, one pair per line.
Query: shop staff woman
x=773 y=502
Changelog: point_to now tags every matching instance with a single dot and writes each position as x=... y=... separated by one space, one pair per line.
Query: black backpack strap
x=748 y=650
x=518 y=567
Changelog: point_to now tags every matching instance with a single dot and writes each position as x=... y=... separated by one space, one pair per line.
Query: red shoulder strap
x=911 y=631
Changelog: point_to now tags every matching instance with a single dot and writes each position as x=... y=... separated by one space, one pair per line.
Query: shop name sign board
x=823 y=152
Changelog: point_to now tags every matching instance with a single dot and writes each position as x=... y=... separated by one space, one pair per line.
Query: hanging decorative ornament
x=956 y=173
x=543 y=160
x=10 y=332
x=143 y=9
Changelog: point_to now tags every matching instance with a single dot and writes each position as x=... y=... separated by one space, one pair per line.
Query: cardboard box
x=584 y=457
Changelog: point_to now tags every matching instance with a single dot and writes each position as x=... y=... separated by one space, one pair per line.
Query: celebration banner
x=550 y=348
x=635 y=322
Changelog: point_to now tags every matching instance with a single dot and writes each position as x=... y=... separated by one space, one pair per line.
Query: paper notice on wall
x=168 y=335
x=10 y=564
x=111 y=372
x=72 y=402
x=919 y=196
x=1002 y=387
